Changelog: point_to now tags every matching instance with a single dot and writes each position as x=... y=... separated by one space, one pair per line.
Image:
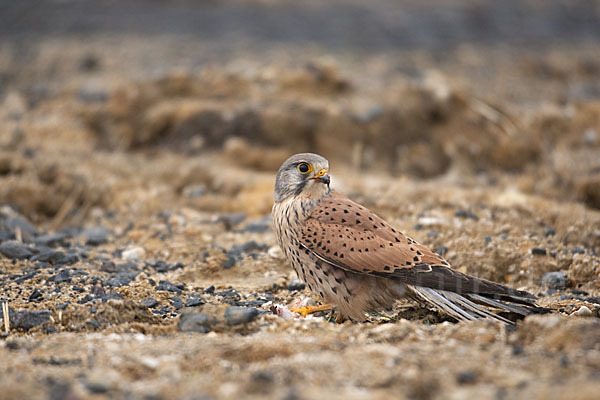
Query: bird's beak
x=322 y=176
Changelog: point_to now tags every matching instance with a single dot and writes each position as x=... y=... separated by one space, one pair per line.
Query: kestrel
x=357 y=263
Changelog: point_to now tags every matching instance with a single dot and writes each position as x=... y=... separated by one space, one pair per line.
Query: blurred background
x=139 y=141
x=474 y=89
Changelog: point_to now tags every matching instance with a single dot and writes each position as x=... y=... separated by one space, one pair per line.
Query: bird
x=357 y=263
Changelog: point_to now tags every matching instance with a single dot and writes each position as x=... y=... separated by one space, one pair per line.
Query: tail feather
x=469 y=307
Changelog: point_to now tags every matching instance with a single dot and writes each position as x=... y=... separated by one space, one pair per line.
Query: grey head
x=302 y=174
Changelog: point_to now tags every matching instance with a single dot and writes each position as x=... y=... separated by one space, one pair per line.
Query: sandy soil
x=136 y=176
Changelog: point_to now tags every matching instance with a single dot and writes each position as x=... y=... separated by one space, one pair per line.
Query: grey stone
x=149 y=302
x=239 y=315
x=27 y=230
x=169 y=287
x=50 y=256
x=466 y=214
x=96 y=235
x=194 y=301
x=26 y=319
x=201 y=323
x=16 y=250
x=295 y=284
x=51 y=239
x=62 y=276
x=231 y=220
x=555 y=280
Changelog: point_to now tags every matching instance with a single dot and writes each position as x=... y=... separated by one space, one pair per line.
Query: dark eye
x=304 y=168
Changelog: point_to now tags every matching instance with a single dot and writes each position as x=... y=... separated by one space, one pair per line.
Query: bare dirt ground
x=137 y=163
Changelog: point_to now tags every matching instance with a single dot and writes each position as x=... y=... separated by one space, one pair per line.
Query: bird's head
x=305 y=175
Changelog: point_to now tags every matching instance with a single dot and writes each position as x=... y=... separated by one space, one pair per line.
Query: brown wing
x=352 y=237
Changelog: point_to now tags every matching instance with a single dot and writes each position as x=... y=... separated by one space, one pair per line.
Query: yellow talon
x=304 y=311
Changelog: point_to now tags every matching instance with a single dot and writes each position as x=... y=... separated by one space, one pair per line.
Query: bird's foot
x=304 y=311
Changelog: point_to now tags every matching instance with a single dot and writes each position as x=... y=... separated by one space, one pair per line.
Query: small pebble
x=466 y=377
x=466 y=214
x=133 y=254
x=555 y=280
x=26 y=319
x=583 y=311
x=239 y=315
x=194 y=301
x=537 y=251
x=149 y=302
x=231 y=220
x=14 y=223
x=201 y=323
x=275 y=252
x=62 y=276
x=16 y=250
x=95 y=235
x=442 y=250
x=176 y=303
x=168 y=286
x=50 y=256
x=295 y=284
x=550 y=232
x=36 y=294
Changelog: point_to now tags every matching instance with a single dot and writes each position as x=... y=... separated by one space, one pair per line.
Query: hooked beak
x=322 y=176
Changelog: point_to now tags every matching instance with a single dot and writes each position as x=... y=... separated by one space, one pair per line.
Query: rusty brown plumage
x=357 y=262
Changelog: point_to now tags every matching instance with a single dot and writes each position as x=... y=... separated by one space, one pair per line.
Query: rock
x=25 y=277
x=550 y=232
x=201 y=323
x=176 y=303
x=210 y=289
x=275 y=252
x=583 y=311
x=36 y=294
x=229 y=262
x=260 y=226
x=14 y=223
x=169 y=287
x=239 y=315
x=194 y=191
x=92 y=324
x=26 y=319
x=62 y=276
x=149 y=302
x=50 y=256
x=110 y=296
x=466 y=377
x=108 y=266
x=295 y=284
x=51 y=239
x=536 y=251
x=122 y=278
x=231 y=220
x=466 y=214
x=133 y=253
x=594 y=299
x=95 y=235
x=16 y=250
x=194 y=301
x=555 y=280
x=442 y=250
